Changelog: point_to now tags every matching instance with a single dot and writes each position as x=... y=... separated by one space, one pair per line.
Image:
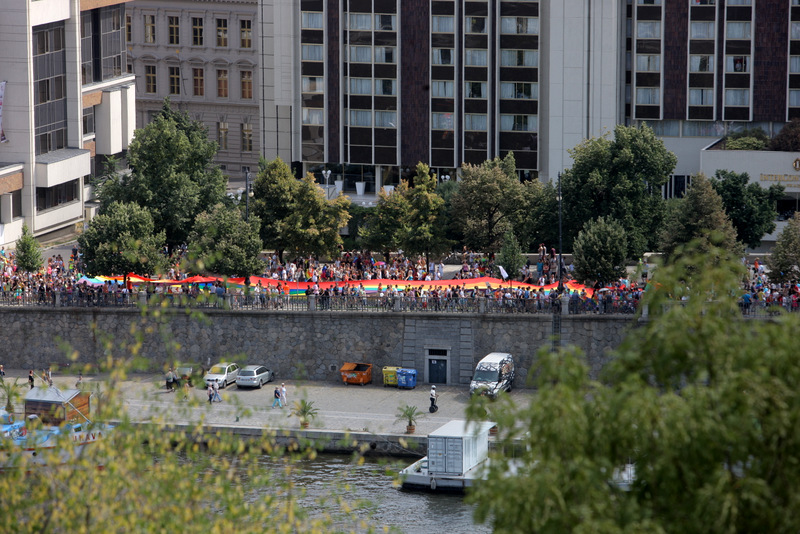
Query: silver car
x=254 y=376
x=224 y=372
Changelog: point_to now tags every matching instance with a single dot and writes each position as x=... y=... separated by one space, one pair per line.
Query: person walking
x=434 y=396
x=2 y=371
x=186 y=390
x=283 y=394
x=170 y=381
x=210 y=391
x=216 y=391
x=79 y=383
x=30 y=378
x=277 y=398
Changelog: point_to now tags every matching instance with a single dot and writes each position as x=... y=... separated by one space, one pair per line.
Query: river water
x=372 y=483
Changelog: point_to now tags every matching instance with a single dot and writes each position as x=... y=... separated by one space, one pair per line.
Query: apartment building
x=67 y=106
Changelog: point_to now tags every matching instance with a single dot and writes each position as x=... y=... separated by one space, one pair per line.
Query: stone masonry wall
x=309 y=345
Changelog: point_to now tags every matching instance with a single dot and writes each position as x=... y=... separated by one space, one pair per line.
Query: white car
x=224 y=372
x=254 y=376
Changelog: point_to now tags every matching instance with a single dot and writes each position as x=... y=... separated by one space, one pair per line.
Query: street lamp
x=327 y=174
x=560 y=242
x=247 y=194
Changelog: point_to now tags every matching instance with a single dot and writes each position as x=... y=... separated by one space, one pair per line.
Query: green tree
x=699 y=216
x=784 y=262
x=28 y=252
x=510 y=257
x=537 y=222
x=312 y=226
x=745 y=143
x=422 y=230
x=788 y=139
x=381 y=230
x=122 y=240
x=273 y=203
x=750 y=207
x=447 y=190
x=224 y=243
x=699 y=400
x=600 y=251
x=173 y=174
x=487 y=203
x=620 y=177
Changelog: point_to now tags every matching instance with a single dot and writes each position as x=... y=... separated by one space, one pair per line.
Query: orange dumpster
x=356 y=373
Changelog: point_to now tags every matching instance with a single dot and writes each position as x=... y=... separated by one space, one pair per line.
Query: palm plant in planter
x=305 y=411
x=410 y=414
x=10 y=392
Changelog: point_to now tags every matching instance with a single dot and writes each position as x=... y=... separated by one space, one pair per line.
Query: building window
x=222 y=83
x=648 y=63
x=385 y=23
x=386 y=87
x=247 y=137
x=519 y=123
x=519 y=25
x=649 y=2
x=386 y=119
x=737 y=97
x=442 y=56
x=737 y=64
x=701 y=30
x=794 y=98
x=313 y=116
x=357 y=21
x=476 y=58
x=312 y=52
x=442 y=89
x=128 y=29
x=246 y=33
x=701 y=63
x=737 y=30
x=88 y=120
x=174 y=80
x=311 y=21
x=150 y=29
x=197 y=31
x=739 y=2
x=150 y=79
x=360 y=117
x=441 y=121
x=52 y=197
x=475 y=24
x=87 y=60
x=198 y=82
x=648 y=29
x=360 y=86
x=795 y=30
x=519 y=90
x=475 y=90
x=794 y=64
x=384 y=54
x=648 y=96
x=174 y=27
x=701 y=97
x=519 y=58
x=474 y=122
x=247 y=84
x=442 y=24
x=222 y=135
x=222 y=32
x=312 y=84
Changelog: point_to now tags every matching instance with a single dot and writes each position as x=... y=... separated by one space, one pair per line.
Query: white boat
x=457 y=452
x=33 y=442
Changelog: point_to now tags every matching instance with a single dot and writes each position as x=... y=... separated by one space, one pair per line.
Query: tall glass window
x=246 y=33
x=442 y=89
x=442 y=56
x=519 y=123
x=174 y=80
x=476 y=58
x=386 y=119
x=442 y=24
x=475 y=122
x=174 y=30
x=519 y=58
x=198 y=81
x=475 y=90
x=519 y=25
x=386 y=87
x=360 y=86
x=222 y=32
x=197 y=31
x=311 y=21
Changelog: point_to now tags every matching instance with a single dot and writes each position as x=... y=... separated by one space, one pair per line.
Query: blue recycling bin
x=407 y=378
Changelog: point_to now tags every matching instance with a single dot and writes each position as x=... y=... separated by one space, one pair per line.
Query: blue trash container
x=407 y=378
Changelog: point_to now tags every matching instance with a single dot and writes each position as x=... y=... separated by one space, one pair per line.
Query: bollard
x=142 y=298
x=312 y=303
x=58 y=299
x=481 y=305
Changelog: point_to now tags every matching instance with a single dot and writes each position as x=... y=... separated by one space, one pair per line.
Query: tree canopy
x=122 y=240
x=699 y=216
x=699 y=403
x=600 y=251
x=173 y=174
x=751 y=208
x=28 y=252
x=620 y=177
x=422 y=230
x=224 y=243
x=788 y=139
x=784 y=262
x=273 y=198
x=488 y=202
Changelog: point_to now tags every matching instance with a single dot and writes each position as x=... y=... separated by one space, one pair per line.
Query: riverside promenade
x=366 y=415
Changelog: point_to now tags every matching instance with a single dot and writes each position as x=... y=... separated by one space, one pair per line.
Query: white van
x=493 y=374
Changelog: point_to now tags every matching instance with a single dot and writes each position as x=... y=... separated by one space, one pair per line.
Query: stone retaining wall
x=302 y=345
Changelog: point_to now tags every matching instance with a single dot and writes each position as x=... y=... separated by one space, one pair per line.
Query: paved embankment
x=350 y=417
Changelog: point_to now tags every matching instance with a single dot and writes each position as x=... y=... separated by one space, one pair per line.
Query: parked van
x=493 y=374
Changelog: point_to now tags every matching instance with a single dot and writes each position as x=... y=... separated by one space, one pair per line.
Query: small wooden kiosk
x=55 y=406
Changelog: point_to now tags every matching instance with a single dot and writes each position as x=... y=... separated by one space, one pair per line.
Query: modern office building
x=67 y=106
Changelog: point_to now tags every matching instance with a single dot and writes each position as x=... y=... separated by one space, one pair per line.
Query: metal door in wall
x=437 y=371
